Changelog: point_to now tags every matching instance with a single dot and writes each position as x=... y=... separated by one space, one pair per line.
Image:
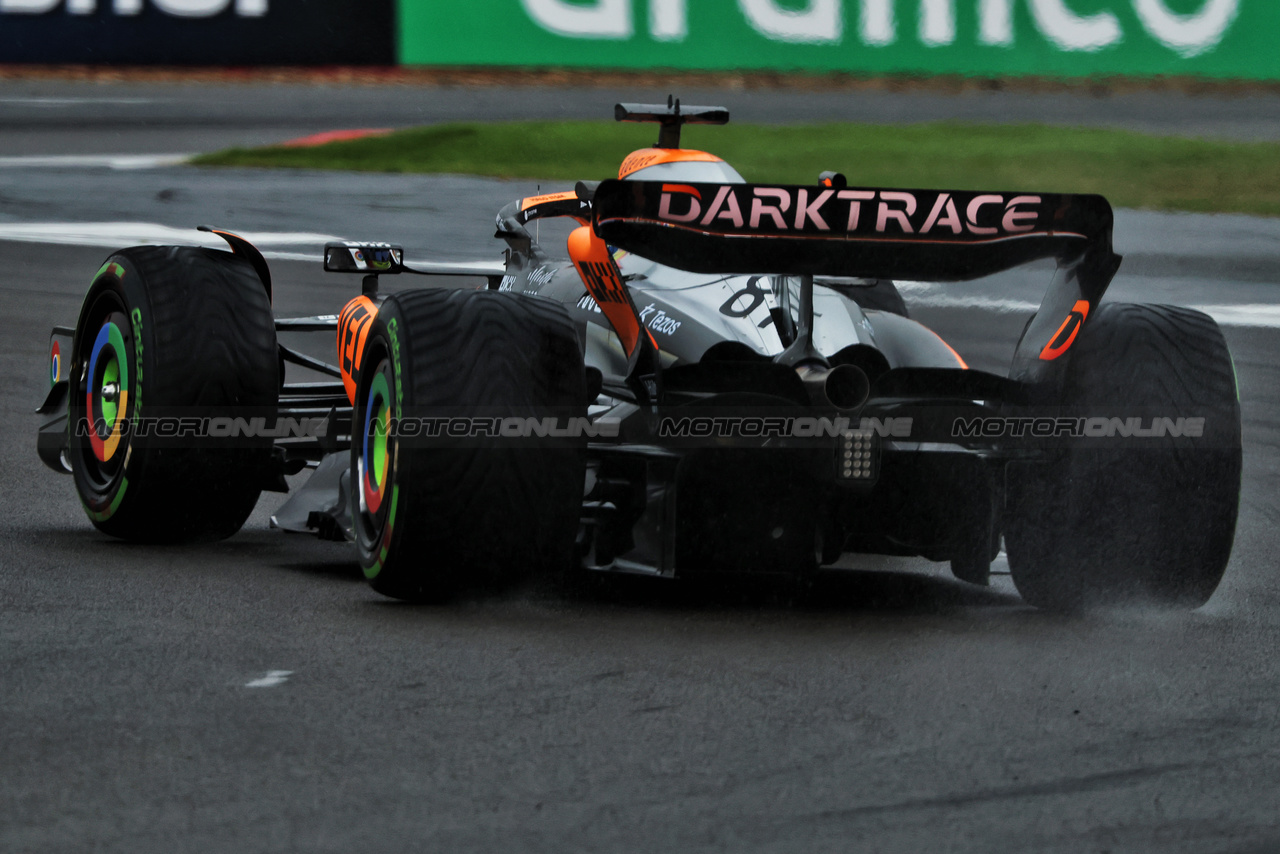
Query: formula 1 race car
x=721 y=379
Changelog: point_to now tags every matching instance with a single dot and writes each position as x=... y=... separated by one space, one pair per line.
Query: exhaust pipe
x=841 y=387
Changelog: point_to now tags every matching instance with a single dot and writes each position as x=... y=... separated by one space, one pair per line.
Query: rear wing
x=931 y=235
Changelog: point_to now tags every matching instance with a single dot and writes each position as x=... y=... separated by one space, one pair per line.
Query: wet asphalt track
x=903 y=712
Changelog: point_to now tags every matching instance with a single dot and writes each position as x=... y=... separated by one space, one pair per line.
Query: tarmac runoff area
x=256 y=695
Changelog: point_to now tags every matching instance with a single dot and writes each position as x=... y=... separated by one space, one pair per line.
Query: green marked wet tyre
x=168 y=333
x=434 y=517
x=1150 y=522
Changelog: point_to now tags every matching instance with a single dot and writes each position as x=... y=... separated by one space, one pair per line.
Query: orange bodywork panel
x=652 y=156
x=553 y=205
x=354 y=324
x=600 y=274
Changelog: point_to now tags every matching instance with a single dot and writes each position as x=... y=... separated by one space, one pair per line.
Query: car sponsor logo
x=658 y=320
x=537 y=277
x=541 y=276
x=393 y=331
x=1123 y=30
x=804 y=210
x=603 y=282
x=354 y=324
x=177 y=8
x=555 y=204
x=1066 y=335
x=136 y=317
x=587 y=303
x=638 y=160
x=532 y=201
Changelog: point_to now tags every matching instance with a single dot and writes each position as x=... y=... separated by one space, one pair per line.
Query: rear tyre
x=434 y=516
x=1135 y=524
x=182 y=334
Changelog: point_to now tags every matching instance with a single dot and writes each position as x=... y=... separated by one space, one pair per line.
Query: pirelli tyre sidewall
x=106 y=347
x=1146 y=524
x=165 y=332
x=376 y=478
x=431 y=519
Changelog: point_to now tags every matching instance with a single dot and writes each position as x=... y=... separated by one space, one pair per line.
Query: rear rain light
x=857 y=456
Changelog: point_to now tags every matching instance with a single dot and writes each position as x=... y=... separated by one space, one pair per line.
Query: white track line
x=1004 y=306
x=81 y=161
x=1260 y=315
x=272 y=679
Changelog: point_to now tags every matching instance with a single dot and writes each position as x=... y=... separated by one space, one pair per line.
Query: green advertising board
x=1062 y=38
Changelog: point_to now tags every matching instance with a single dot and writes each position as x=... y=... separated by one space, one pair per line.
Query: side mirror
x=348 y=257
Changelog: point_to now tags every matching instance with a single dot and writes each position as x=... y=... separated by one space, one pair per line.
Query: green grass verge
x=1131 y=169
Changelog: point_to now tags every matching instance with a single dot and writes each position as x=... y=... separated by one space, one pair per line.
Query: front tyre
x=434 y=510
x=1134 y=525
